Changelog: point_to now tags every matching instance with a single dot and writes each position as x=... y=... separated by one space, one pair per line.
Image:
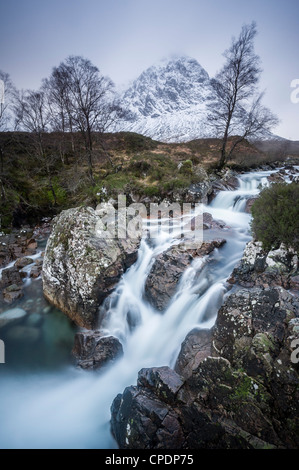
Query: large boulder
x=235 y=387
x=80 y=268
x=168 y=268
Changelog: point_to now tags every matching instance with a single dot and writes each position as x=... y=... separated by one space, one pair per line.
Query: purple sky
x=123 y=37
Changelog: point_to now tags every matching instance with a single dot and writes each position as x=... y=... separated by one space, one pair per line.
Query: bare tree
x=7 y=95
x=33 y=115
x=237 y=109
x=86 y=98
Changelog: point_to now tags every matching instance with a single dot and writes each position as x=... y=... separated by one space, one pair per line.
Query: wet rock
x=240 y=387
x=93 y=351
x=227 y=182
x=16 y=245
x=36 y=271
x=196 y=347
x=210 y=223
x=11 y=276
x=11 y=316
x=249 y=204
x=141 y=419
x=276 y=177
x=80 y=267
x=22 y=262
x=12 y=293
x=168 y=268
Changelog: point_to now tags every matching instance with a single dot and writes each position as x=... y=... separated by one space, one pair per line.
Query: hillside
x=33 y=187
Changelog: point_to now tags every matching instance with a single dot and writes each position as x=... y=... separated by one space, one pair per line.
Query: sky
x=124 y=37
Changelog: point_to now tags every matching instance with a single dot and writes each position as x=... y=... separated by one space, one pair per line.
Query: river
x=45 y=402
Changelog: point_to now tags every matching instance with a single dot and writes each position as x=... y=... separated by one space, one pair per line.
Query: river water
x=45 y=402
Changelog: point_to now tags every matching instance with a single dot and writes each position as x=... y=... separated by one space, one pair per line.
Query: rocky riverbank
x=235 y=386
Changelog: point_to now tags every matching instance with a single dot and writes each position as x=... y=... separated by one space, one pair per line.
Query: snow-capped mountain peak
x=168 y=101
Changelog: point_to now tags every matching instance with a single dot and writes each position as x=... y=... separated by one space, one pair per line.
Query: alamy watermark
x=184 y=221
x=2 y=352
x=295 y=92
x=295 y=353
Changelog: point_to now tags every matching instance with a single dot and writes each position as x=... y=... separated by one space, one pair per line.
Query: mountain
x=168 y=101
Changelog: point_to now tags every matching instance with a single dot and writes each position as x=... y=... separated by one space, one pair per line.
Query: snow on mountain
x=168 y=101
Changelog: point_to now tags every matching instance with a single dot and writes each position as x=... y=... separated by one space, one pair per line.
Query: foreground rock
x=93 y=351
x=168 y=268
x=237 y=388
x=81 y=269
x=267 y=268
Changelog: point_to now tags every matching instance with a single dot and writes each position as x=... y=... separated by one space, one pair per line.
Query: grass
x=139 y=166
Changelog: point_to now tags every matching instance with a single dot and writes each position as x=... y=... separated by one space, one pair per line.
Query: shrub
x=276 y=216
x=186 y=168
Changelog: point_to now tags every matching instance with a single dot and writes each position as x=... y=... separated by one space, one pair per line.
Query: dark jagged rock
x=11 y=276
x=210 y=223
x=93 y=351
x=196 y=347
x=237 y=388
x=22 y=262
x=141 y=419
x=12 y=293
x=168 y=268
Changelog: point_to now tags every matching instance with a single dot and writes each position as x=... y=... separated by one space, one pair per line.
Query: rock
x=93 y=350
x=227 y=182
x=16 y=245
x=276 y=178
x=210 y=223
x=266 y=268
x=237 y=388
x=195 y=348
x=11 y=276
x=31 y=247
x=168 y=268
x=81 y=269
x=249 y=204
x=139 y=419
x=36 y=271
x=22 y=262
x=12 y=293
x=11 y=316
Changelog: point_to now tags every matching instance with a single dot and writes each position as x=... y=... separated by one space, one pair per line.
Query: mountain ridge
x=168 y=101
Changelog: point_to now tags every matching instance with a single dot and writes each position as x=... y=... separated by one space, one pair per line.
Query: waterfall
x=71 y=408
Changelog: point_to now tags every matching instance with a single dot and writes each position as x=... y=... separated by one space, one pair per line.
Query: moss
x=263 y=343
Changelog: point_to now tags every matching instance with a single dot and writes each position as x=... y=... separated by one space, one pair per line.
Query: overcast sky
x=123 y=37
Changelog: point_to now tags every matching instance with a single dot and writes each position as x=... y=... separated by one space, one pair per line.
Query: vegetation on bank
x=276 y=216
x=35 y=185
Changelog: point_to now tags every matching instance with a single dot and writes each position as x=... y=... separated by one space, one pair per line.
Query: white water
x=71 y=408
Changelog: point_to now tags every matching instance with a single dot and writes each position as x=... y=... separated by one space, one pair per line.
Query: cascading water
x=71 y=408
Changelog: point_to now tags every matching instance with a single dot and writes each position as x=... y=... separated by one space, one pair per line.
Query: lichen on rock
x=80 y=268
